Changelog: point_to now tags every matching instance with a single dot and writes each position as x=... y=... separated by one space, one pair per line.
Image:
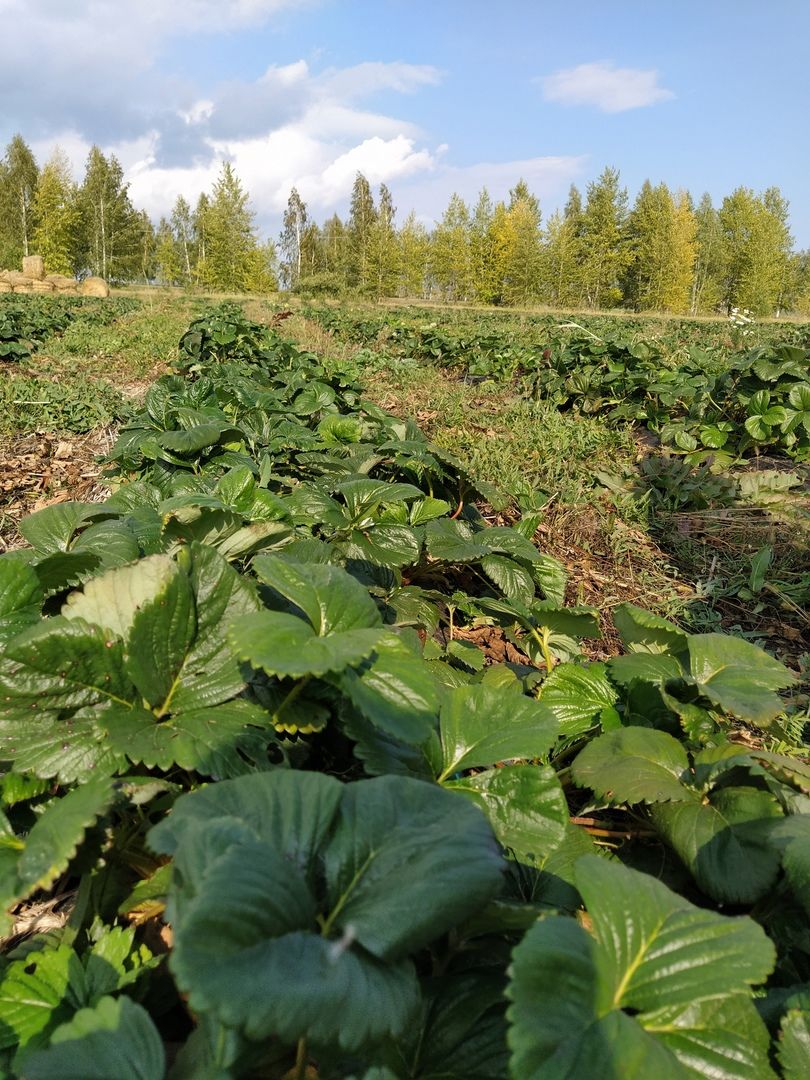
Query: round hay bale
x=94 y=286
x=33 y=266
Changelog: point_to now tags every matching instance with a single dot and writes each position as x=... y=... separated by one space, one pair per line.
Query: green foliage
x=645 y=994
x=234 y=696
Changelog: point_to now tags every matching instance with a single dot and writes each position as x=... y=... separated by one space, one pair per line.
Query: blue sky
x=428 y=97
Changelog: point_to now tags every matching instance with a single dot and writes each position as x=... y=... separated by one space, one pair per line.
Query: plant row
x=702 y=403
x=24 y=323
x=303 y=826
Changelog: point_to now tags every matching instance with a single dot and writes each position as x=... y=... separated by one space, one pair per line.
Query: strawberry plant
x=301 y=828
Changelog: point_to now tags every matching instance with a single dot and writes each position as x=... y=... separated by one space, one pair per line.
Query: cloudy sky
x=429 y=97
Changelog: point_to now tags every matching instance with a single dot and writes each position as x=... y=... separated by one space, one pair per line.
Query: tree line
x=665 y=252
x=93 y=228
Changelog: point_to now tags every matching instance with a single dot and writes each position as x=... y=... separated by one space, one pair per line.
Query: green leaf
x=51 y=529
x=37 y=993
x=577 y=695
x=407 y=861
x=737 y=676
x=331 y=599
x=634 y=765
x=294 y=809
x=480 y=726
x=514 y=580
x=724 y=1038
x=116 y=1038
x=21 y=596
x=575 y=622
x=463 y=1036
x=57 y=833
x=725 y=841
x=551 y=576
x=296 y=900
x=661 y=950
x=655 y=955
x=525 y=806
x=466 y=653
x=112 y=600
x=384 y=545
x=639 y=627
x=194 y=439
x=162 y=631
x=452 y=541
x=285 y=645
x=794 y=1044
x=645 y=667
x=111 y=541
x=395 y=690
x=49 y=747
x=556 y=1033
x=428 y=508
x=64 y=663
x=206 y=741
x=211 y=673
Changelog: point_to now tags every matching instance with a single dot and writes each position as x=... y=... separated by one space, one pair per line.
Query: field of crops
x=317 y=762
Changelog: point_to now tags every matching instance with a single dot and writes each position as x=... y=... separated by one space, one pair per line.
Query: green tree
x=414 y=251
x=450 y=251
x=230 y=259
x=559 y=276
x=523 y=260
x=18 y=184
x=200 y=234
x=57 y=216
x=383 y=252
x=782 y=245
x=170 y=269
x=362 y=217
x=604 y=253
x=483 y=286
x=262 y=268
x=660 y=248
x=182 y=225
x=757 y=247
x=111 y=229
x=335 y=248
x=708 y=279
x=292 y=242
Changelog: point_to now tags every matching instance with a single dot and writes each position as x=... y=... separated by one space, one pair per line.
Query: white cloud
x=94 y=72
x=611 y=89
x=548 y=178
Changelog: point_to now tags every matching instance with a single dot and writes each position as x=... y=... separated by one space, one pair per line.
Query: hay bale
x=5 y=286
x=68 y=290
x=33 y=266
x=27 y=288
x=94 y=286
x=4 y=275
x=42 y=286
x=61 y=281
x=15 y=278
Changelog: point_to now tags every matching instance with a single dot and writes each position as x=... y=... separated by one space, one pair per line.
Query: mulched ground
x=37 y=470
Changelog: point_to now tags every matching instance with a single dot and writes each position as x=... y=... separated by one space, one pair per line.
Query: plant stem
x=293 y=694
x=301 y=1059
